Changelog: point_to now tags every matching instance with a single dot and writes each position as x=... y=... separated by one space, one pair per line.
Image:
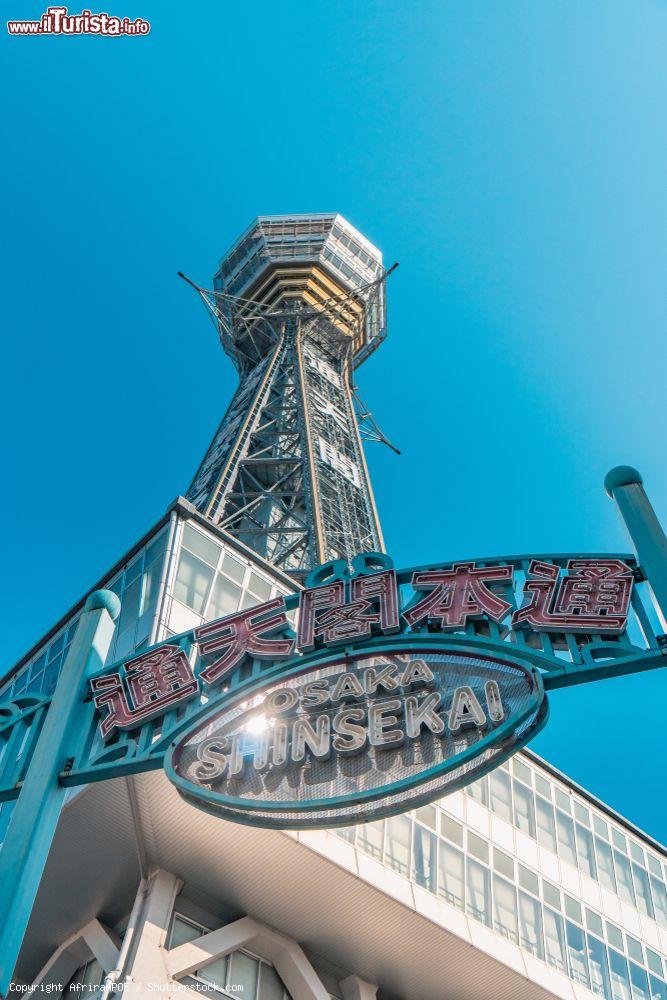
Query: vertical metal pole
x=625 y=486
x=35 y=816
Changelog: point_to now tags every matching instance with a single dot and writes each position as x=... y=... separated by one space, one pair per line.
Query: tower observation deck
x=299 y=304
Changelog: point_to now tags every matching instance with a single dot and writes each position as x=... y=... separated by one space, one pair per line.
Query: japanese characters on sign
x=591 y=595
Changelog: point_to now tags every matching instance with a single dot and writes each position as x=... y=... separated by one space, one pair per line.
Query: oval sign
x=368 y=735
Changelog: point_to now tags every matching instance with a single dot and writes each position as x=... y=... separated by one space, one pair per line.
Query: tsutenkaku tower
x=299 y=303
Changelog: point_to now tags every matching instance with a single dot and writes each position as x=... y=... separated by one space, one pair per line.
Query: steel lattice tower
x=299 y=303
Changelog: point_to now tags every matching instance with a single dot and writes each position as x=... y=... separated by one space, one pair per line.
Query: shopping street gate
x=369 y=692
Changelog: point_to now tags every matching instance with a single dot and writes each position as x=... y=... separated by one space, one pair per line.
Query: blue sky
x=510 y=155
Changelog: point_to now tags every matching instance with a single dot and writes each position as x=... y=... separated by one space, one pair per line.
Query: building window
x=585 y=851
x=425 y=858
x=565 y=830
x=624 y=878
x=554 y=938
x=643 y=890
x=530 y=924
x=450 y=875
x=620 y=983
x=398 y=844
x=504 y=909
x=371 y=837
x=213 y=582
x=576 y=953
x=478 y=892
x=660 y=899
x=238 y=974
x=598 y=967
x=605 y=865
x=546 y=828
x=524 y=809
x=501 y=794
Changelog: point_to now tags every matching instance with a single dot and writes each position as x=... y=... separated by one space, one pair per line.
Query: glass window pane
x=599 y=969
x=270 y=984
x=129 y=606
x=426 y=815
x=565 y=830
x=554 y=937
x=504 y=909
x=193 y=579
x=530 y=924
x=660 y=899
x=546 y=828
x=605 y=865
x=524 y=810
x=639 y=983
x=654 y=865
x=634 y=948
x=594 y=923
x=624 y=878
x=654 y=962
x=551 y=894
x=243 y=974
x=397 y=845
x=182 y=931
x=521 y=771
x=576 y=953
x=581 y=813
x=658 y=989
x=478 y=847
x=371 y=838
x=479 y=791
x=543 y=786
x=600 y=827
x=233 y=568
x=424 y=858
x=225 y=598
x=503 y=863
x=618 y=840
x=572 y=908
x=451 y=829
x=196 y=542
x=259 y=587
x=528 y=880
x=585 y=851
x=614 y=936
x=477 y=887
x=562 y=799
x=618 y=969
x=501 y=794
x=214 y=972
x=450 y=875
x=643 y=890
x=636 y=853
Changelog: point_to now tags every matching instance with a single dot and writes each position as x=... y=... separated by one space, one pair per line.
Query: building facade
x=523 y=885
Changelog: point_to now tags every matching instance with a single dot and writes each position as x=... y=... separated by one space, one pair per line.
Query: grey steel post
x=625 y=486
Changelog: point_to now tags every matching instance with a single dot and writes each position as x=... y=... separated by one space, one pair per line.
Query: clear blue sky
x=511 y=156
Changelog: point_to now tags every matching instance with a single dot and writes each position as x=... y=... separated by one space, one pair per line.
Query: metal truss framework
x=285 y=473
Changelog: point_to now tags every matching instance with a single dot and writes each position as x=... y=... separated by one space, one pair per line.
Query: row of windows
x=41 y=674
x=214 y=582
x=565 y=826
x=489 y=886
x=137 y=587
x=238 y=974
